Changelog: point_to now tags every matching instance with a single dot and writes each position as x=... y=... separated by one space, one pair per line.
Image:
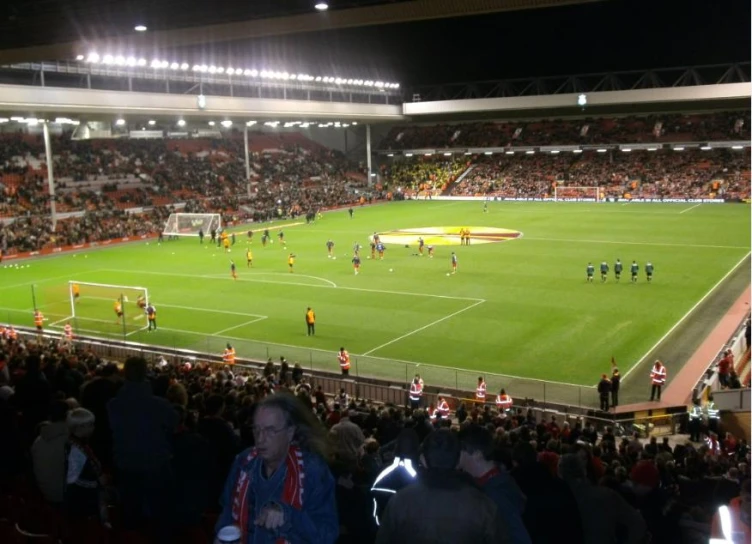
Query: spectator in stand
x=443 y=505
x=264 y=491
x=142 y=429
x=604 y=390
x=95 y=394
x=476 y=458
x=84 y=496
x=606 y=516
x=401 y=473
x=48 y=453
x=33 y=394
x=222 y=440
x=724 y=368
x=550 y=504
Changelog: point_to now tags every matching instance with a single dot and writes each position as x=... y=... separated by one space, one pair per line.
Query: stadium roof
x=35 y=30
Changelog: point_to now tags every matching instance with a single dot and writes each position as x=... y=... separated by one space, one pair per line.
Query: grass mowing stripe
x=685 y=316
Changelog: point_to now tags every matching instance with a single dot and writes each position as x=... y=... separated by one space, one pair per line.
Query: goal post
x=93 y=305
x=189 y=224
x=577 y=194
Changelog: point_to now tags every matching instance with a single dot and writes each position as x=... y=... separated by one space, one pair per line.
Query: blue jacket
x=510 y=503
x=315 y=523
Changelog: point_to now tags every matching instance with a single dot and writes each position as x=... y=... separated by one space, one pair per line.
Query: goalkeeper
x=151 y=314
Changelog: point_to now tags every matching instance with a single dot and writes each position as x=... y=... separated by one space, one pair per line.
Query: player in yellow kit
x=249 y=258
x=118 y=308
x=291 y=261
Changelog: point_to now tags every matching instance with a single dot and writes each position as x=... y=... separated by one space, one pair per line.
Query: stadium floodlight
x=120 y=60
x=120 y=122
x=32 y=121
x=488 y=153
x=530 y=152
x=577 y=151
x=140 y=28
x=152 y=122
x=732 y=147
x=141 y=62
x=408 y=154
x=626 y=149
x=131 y=61
x=652 y=149
x=555 y=152
x=79 y=57
x=508 y=153
x=108 y=59
x=231 y=71
x=321 y=6
x=220 y=70
x=17 y=119
x=250 y=123
x=93 y=57
x=318 y=78
x=156 y=63
x=447 y=154
x=602 y=150
x=184 y=66
x=226 y=123
x=181 y=122
x=211 y=123
x=174 y=66
x=196 y=68
x=254 y=73
x=212 y=69
x=164 y=64
x=4 y=120
x=679 y=148
x=706 y=148
x=390 y=154
x=354 y=123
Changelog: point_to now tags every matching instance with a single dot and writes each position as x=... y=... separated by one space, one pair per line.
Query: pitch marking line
x=361 y=289
x=659 y=244
x=219 y=333
x=690 y=208
x=424 y=327
x=685 y=316
x=258 y=317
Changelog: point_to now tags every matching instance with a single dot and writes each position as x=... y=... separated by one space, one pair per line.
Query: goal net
x=188 y=224
x=92 y=309
x=577 y=194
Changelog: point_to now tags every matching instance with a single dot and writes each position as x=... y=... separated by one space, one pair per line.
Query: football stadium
x=313 y=236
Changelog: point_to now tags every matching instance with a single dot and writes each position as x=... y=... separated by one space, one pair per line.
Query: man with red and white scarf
x=281 y=490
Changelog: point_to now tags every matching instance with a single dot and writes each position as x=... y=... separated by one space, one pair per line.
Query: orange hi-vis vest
x=503 y=402
x=310 y=317
x=68 y=331
x=416 y=391
x=658 y=375
x=344 y=360
x=442 y=409
x=480 y=391
x=38 y=319
x=12 y=333
x=229 y=356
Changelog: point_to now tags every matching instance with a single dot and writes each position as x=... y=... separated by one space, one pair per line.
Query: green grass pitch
x=519 y=308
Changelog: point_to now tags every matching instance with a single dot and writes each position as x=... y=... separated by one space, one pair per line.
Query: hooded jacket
x=48 y=458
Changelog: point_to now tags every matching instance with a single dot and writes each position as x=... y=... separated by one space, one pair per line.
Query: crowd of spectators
x=721 y=126
x=693 y=173
x=147 y=449
x=97 y=181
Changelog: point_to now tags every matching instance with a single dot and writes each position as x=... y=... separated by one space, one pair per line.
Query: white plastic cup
x=229 y=534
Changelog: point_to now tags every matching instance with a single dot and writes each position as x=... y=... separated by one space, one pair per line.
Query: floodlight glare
x=211 y=123
x=250 y=123
x=108 y=59
x=79 y=57
x=321 y=6
x=184 y=66
x=174 y=66
x=226 y=124
x=181 y=122
x=131 y=61
x=230 y=71
x=152 y=122
x=140 y=28
x=141 y=62
x=254 y=73
x=120 y=122
x=93 y=57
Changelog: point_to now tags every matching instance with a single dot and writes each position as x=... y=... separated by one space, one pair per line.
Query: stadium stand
x=631 y=129
x=97 y=181
x=674 y=487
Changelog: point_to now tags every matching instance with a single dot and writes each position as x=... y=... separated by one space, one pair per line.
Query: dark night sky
x=607 y=36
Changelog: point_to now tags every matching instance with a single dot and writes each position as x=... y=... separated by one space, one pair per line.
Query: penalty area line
x=685 y=316
x=424 y=327
x=688 y=209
